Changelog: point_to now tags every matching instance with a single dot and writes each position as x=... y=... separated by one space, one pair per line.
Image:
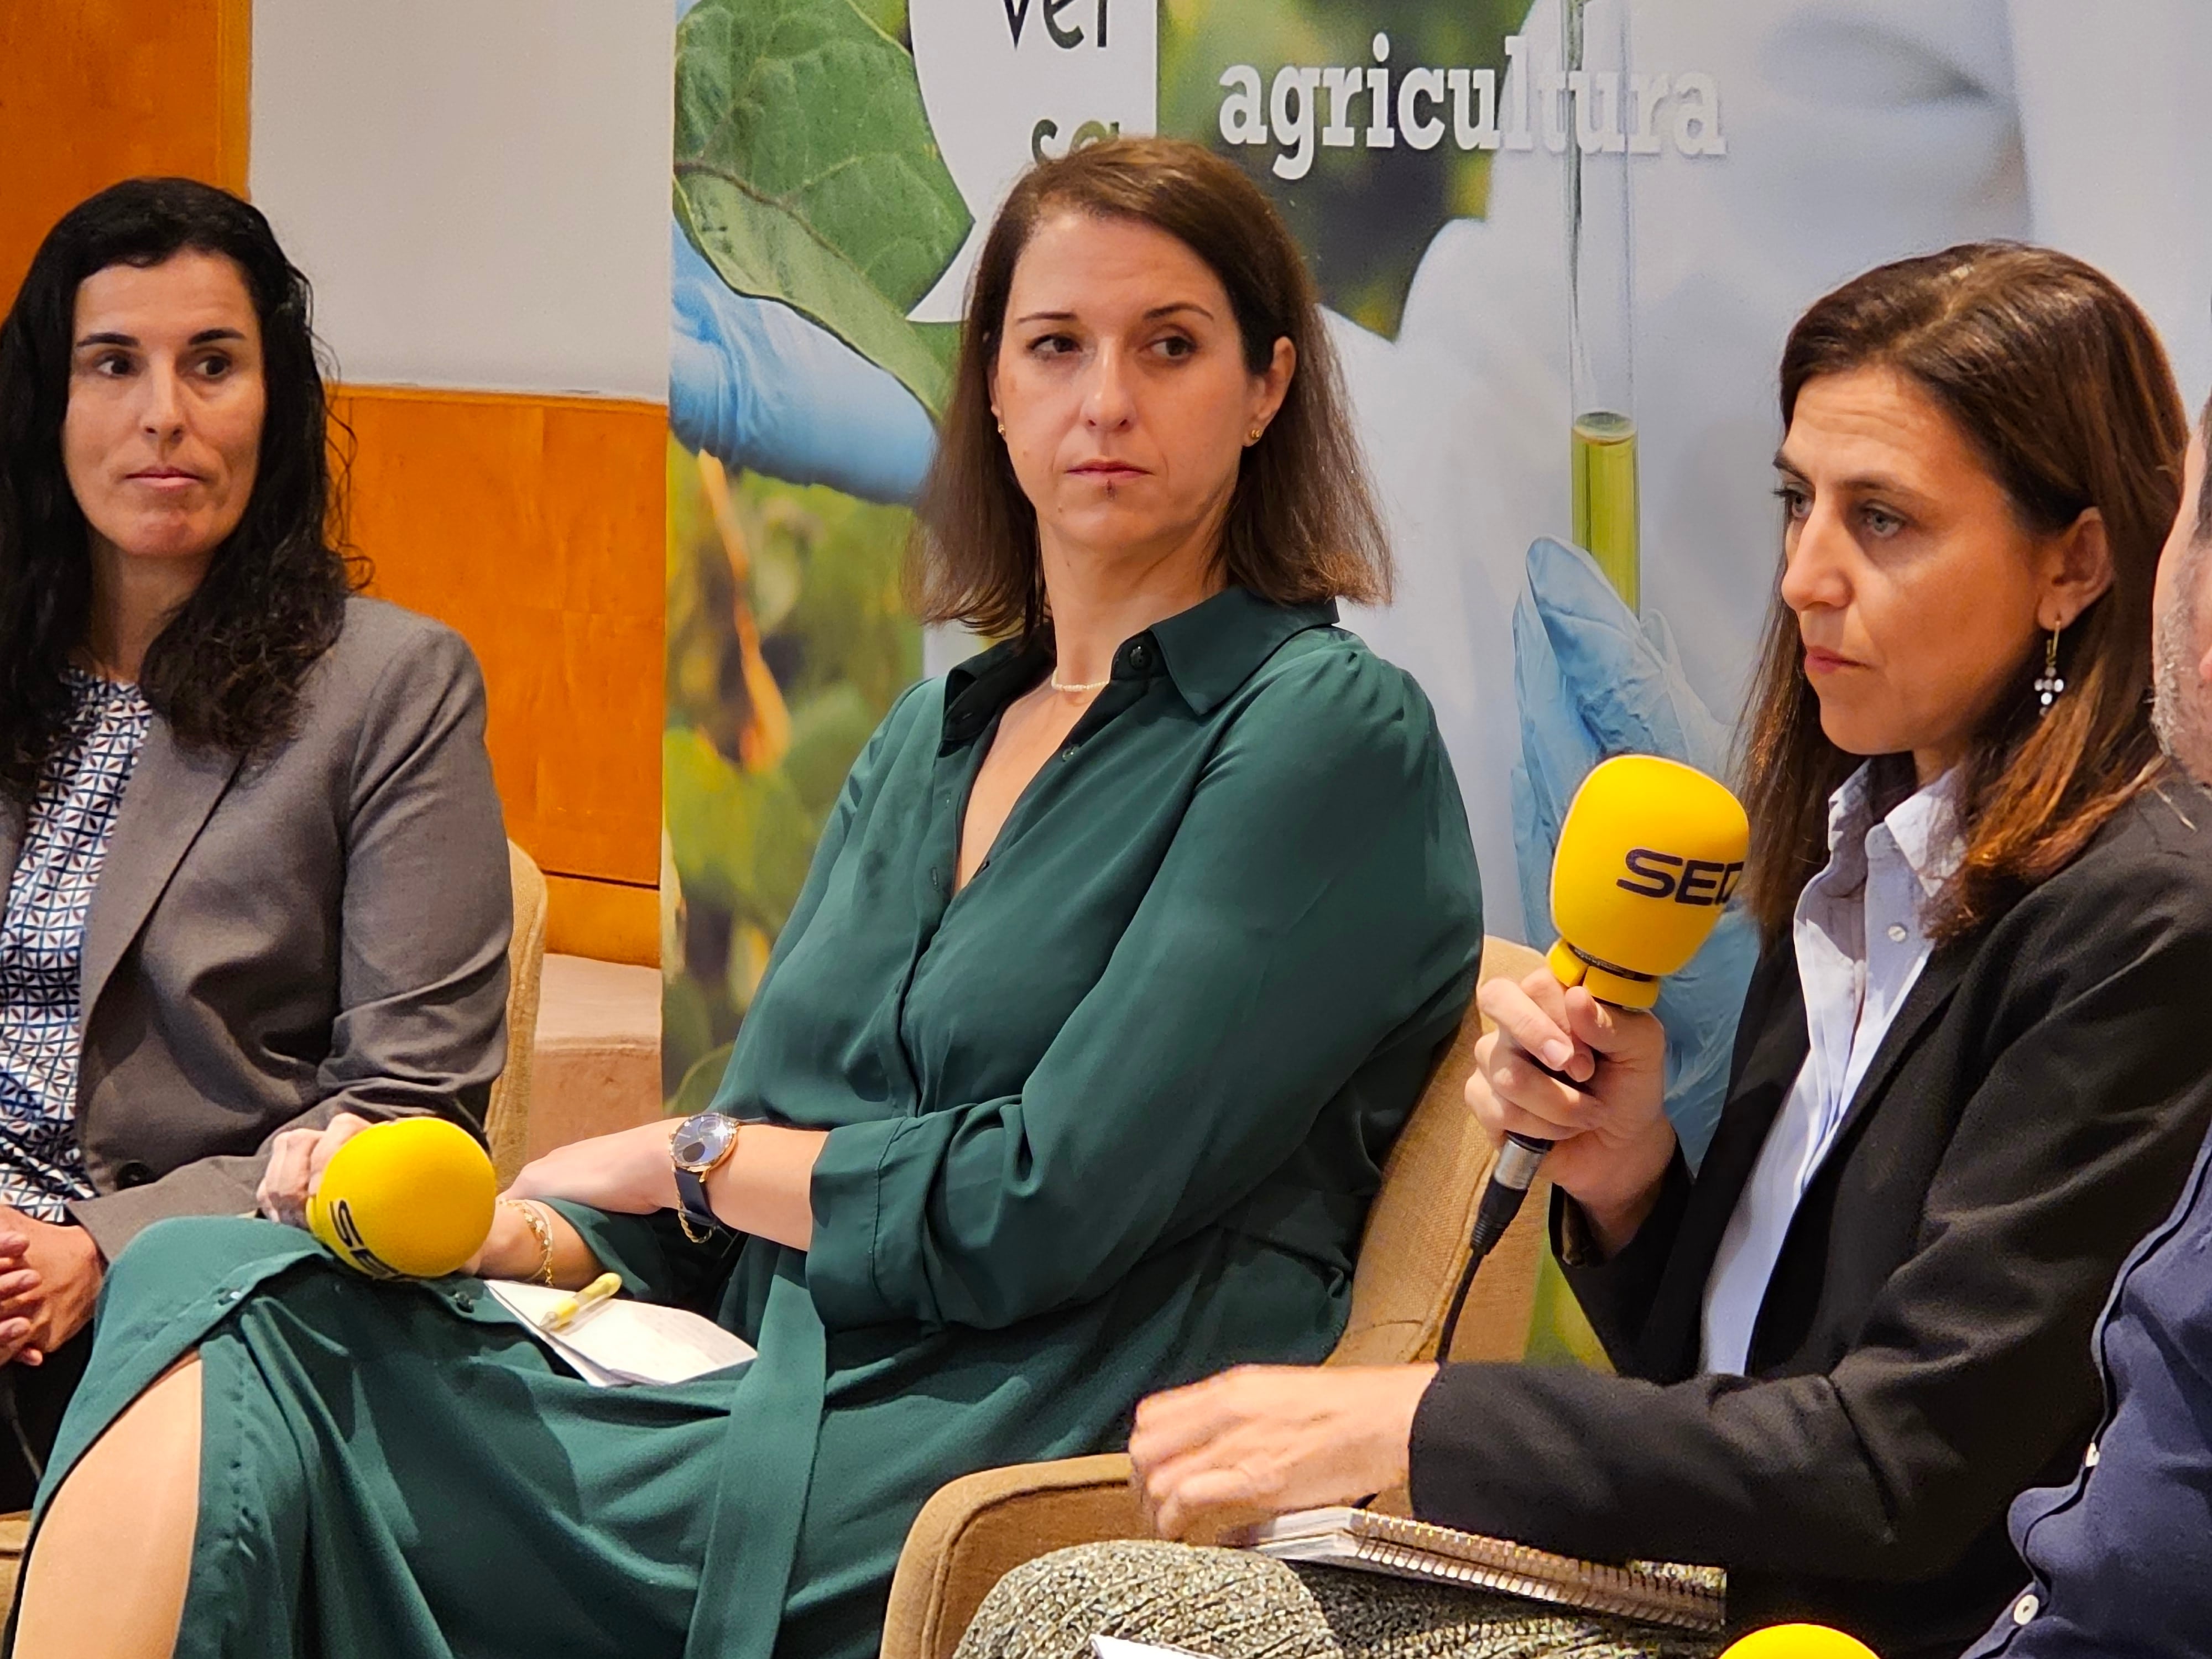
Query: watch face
x=701 y=1140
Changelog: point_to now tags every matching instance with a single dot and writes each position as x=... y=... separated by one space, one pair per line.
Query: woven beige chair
x=506 y=1121
x=979 y=1529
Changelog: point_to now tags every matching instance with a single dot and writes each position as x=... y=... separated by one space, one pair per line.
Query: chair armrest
x=15 y=1538
x=979 y=1529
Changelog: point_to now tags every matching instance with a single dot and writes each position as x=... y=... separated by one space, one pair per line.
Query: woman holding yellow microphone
x=1969 y=1073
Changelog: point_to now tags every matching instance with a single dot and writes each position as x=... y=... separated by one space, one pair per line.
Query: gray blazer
x=322 y=930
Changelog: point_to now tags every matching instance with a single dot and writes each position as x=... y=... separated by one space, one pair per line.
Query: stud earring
x=1253 y=436
x=2048 y=685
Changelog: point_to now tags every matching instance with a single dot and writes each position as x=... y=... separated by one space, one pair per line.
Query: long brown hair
x=1302 y=524
x=2059 y=383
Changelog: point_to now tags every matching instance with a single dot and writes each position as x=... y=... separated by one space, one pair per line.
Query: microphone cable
x=1518 y=1160
x=15 y=1419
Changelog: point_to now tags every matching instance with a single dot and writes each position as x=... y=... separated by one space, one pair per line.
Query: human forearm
x=1611 y=1217
x=1267 y=1439
x=1768 y=1477
x=427 y=918
x=1617 y=1290
x=765 y=1187
x=515 y=1249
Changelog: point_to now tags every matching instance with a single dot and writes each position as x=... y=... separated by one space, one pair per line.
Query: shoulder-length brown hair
x=2060 y=384
x=1302 y=524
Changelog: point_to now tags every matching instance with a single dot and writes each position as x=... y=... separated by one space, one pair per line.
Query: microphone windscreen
x=409 y=1199
x=1650 y=852
x=1799 y=1641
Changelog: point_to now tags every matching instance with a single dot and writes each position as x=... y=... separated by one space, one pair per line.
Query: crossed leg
x=114 y=1554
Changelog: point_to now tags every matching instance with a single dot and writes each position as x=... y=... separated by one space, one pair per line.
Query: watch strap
x=693 y=1209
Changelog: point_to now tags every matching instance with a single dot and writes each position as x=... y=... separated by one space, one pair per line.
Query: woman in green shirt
x=1122 y=959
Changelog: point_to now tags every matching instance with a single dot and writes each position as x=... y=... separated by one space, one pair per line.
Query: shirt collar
x=1206 y=653
x=1216 y=646
x=1924 y=826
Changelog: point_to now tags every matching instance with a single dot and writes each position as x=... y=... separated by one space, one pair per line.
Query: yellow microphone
x=409 y=1199
x=1649 y=854
x=1799 y=1641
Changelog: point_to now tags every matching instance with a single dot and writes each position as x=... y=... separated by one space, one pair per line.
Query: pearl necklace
x=1094 y=685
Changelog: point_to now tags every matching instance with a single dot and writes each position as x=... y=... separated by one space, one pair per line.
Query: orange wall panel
x=92 y=91
x=612 y=920
x=535 y=526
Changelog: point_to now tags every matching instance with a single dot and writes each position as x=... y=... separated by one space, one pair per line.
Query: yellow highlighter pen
x=565 y=1313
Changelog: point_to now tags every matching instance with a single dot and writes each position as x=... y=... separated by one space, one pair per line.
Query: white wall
x=478 y=189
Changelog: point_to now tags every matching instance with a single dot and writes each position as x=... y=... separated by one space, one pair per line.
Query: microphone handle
x=1518 y=1160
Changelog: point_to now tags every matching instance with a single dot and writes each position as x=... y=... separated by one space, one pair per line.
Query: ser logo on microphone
x=1686 y=881
x=356 y=1246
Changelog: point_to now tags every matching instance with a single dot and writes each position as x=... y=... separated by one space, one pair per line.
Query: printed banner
x=1561 y=244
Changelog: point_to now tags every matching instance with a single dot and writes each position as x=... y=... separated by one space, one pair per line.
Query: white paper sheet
x=622 y=1342
x=1114 y=1647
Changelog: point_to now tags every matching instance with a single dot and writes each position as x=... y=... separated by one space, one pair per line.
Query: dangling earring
x=2049 y=685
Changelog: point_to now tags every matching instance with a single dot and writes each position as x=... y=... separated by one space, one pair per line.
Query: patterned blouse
x=42 y=944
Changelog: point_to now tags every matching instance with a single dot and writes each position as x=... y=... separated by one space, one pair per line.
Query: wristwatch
x=700 y=1144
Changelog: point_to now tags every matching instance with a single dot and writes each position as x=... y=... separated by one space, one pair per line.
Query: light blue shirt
x=1861 y=945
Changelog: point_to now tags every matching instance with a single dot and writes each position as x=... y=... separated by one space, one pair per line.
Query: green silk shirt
x=1109 y=1118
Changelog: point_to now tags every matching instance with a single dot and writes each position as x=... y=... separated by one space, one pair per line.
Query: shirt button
x=1068 y=753
x=464 y=1300
x=1897 y=932
x=2026 y=1608
x=1141 y=656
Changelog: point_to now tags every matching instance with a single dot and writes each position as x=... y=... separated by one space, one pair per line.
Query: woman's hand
x=627 y=1173
x=297 y=1159
x=1614 y=1140
x=49 y=1277
x=1263 y=1440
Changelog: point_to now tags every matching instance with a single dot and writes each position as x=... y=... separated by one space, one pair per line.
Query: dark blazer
x=323 y=929
x=1923 y=1351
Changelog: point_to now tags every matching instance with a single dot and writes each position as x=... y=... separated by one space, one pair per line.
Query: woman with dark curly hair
x=254 y=874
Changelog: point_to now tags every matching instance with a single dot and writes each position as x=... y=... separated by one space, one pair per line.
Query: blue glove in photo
x=1592 y=682
x=757 y=385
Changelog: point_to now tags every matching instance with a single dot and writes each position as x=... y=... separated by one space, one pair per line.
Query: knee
x=158 y=1430
x=203 y=1249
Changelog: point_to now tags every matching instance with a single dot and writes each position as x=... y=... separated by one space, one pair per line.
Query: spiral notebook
x=1658 y=1593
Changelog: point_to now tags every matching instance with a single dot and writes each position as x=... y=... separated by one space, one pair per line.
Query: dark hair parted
x=2059 y=382
x=226 y=670
x=1302 y=524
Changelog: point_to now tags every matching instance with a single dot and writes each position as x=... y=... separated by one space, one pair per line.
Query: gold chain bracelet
x=534 y=1218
